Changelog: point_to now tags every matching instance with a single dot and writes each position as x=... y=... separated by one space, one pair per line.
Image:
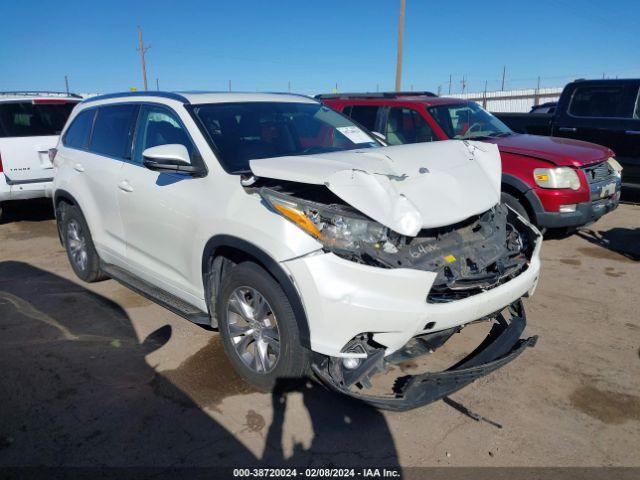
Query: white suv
x=311 y=246
x=30 y=123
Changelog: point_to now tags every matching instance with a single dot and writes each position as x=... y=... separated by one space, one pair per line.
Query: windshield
x=468 y=120
x=252 y=130
x=27 y=119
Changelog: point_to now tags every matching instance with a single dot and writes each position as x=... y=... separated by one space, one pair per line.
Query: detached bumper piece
x=502 y=345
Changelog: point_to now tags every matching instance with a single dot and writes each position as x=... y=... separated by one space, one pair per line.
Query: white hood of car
x=405 y=187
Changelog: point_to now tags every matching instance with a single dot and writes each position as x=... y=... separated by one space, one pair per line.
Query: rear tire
x=515 y=204
x=259 y=330
x=79 y=245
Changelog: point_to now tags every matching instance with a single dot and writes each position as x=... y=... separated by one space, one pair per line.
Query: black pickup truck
x=606 y=112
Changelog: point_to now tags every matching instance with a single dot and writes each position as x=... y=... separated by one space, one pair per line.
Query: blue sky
x=265 y=44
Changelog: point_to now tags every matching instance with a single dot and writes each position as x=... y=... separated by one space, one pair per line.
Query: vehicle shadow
x=76 y=390
x=558 y=233
x=37 y=210
x=625 y=241
x=347 y=433
x=630 y=196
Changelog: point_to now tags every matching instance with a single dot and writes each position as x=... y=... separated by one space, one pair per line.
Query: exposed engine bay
x=469 y=257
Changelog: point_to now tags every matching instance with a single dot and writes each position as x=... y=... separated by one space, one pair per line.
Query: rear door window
x=365 y=115
x=32 y=119
x=405 y=125
x=603 y=101
x=112 y=131
x=77 y=135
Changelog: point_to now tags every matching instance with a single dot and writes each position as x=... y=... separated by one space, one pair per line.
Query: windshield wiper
x=501 y=134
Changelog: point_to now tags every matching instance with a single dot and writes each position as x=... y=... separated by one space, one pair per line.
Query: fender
x=516 y=183
x=526 y=190
x=272 y=266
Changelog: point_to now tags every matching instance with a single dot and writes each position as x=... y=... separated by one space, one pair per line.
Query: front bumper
x=586 y=212
x=502 y=345
x=343 y=299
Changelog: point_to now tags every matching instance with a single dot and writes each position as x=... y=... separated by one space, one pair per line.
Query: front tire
x=515 y=204
x=259 y=331
x=79 y=245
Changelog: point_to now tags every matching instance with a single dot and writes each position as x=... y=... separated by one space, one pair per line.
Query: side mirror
x=172 y=157
x=380 y=137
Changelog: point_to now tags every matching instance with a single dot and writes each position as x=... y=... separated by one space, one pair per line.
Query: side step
x=156 y=295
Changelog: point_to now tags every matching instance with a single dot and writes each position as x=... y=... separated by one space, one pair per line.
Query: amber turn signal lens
x=299 y=219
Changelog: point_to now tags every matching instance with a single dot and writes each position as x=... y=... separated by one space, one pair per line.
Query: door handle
x=78 y=167
x=125 y=186
x=567 y=129
x=632 y=132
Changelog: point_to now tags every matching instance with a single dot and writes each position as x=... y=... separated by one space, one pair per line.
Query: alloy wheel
x=253 y=329
x=77 y=244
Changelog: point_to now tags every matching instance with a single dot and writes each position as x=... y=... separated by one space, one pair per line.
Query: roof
x=196 y=98
x=324 y=96
x=30 y=96
x=605 y=81
x=389 y=99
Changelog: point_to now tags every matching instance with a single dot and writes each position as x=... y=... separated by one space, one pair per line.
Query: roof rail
x=170 y=95
x=28 y=93
x=375 y=95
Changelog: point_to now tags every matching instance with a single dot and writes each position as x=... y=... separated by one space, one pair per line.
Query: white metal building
x=512 y=100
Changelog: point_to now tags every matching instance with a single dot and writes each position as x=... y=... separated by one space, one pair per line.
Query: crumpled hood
x=405 y=187
x=559 y=151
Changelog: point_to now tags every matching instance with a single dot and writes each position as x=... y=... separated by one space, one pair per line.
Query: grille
x=447 y=295
x=598 y=172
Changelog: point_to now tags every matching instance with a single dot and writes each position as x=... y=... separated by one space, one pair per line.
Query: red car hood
x=559 y=151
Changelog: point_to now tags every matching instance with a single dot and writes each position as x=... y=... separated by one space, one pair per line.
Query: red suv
x=554 y=182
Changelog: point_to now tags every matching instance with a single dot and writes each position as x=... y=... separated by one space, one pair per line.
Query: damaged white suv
x=312 y=248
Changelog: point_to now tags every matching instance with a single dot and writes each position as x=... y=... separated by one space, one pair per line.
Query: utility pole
x=439 y=89
x=464 y=83
x=537 y=97
x=157 y=84
x=403 y=5
x=66 y=84
x=449 y=84
x=289 y=86
x=504 y=73
x=229 y=85
x=142 y=48
x=484 y=97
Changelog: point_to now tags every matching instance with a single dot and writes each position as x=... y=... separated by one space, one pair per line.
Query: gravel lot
x=98 y=375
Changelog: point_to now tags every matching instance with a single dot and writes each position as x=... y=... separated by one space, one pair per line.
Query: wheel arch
x=523 y=193
x=60 y=197
x=222 y=251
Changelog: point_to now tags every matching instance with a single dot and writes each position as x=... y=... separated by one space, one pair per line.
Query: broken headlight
x=335 y=227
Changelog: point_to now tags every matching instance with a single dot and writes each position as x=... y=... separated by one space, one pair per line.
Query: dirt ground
x=98 y=375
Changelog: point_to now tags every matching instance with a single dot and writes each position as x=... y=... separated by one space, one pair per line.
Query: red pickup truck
x=554 y=182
